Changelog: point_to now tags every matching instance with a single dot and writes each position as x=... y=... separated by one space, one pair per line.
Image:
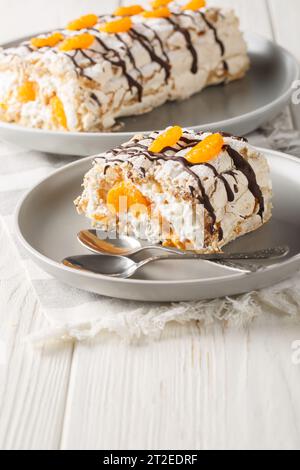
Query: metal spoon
x=122 y=267
x=125 y=246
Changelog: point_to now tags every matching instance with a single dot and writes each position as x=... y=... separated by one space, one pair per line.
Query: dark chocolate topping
x=218 y=40
x=134 y=149
x=114 y=57
x=189 y=43
x=95 y=98
x=227 y=134
x=242 y=165
x=119 y=62
x=149 y=47
x=157 y=37
x=230 y=194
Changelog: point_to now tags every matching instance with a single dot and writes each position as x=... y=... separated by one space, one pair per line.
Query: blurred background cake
x=101 y=68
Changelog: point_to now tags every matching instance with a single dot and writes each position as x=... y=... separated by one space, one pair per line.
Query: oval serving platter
x=47 y=224
x=237 y=108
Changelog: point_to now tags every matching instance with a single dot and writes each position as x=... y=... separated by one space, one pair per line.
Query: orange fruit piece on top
x=81 y=41
x=86 y=21
x=117 y=26
x=129 y=11
x=49 y=41
x=58 y=112
x=167 y=139
x=160 y=3
x=129 y=192
x=194 y=5
x=27 y=92
x=162 y=12
x=206 y=150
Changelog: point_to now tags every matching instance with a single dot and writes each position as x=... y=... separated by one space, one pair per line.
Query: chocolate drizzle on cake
x=131 y=58
x=28 y=47
x=217 y=38
x=79 y=69
x=230 y=194
x=113 y=56
x=244 y=167
x=116 y=61
x=95 y=98
x=189 y=43
x=157 y=37
x=136 y=149
x=148 y=46
x=227 y=134
x=90 y=59
x=119 y=62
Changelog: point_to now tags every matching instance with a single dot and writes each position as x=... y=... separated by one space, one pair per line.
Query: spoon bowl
x=114 y=266
x=107 y=243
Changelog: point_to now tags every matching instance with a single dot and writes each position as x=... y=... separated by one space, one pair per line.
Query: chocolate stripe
x=141 y=150
x=218 y=40
x=189 y=43
x=148 y=46
x=243 y=166
x=132 y=83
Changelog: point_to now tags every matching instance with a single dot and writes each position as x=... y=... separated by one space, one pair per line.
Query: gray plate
x=239 y=107
x=47 y=224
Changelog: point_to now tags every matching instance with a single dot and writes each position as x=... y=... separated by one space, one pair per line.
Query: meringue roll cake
x=101 y=68
x=193 y=191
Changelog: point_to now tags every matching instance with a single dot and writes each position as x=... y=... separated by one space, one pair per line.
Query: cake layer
x=102 y=76
x=198 y=200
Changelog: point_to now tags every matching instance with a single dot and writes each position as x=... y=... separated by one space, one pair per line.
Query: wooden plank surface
x=285 y=19
x=23 y=18
x=213 y=388
x=33 y=384
x=193 y=389
x=254 y=16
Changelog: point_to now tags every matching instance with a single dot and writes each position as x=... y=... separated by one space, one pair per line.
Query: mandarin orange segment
x=81 y=41
x=194 y=5
x=49 y=41
x=129 y=11
x=167 y=139
x=160 y=3
x=27 y=92
x=58 y=112
x=86 y=21
x=162 y=12
x=126 y=190
x=206 y=150
x=117 y=26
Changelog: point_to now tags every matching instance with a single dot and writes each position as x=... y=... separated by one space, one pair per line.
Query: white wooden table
x=219 y=388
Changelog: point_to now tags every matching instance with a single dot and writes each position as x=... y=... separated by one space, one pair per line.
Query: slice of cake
x=100 y=68
x=195 y=191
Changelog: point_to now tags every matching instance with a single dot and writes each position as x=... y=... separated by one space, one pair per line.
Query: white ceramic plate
x=47 y=224
x=238 y=108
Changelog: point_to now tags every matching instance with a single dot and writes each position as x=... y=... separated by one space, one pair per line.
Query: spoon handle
x=268 y=253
